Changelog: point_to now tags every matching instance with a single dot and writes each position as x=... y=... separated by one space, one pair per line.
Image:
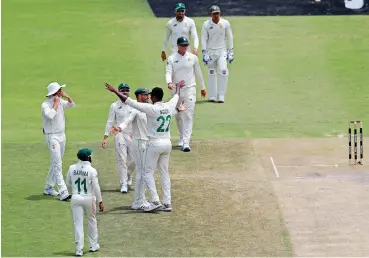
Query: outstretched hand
x=109 y=87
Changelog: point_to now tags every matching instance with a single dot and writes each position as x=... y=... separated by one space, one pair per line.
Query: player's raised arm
x=147 y=108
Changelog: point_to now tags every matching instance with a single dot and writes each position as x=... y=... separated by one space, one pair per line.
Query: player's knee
x=224 y=72
x=212 y=72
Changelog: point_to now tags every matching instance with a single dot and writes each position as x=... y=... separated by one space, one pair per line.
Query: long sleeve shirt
x=176 y=29
x=82 y=178
x=216 y=36
x=54 y=120
x=185 y=68
x=158 y=115
x=138 y=121
x=118 y=112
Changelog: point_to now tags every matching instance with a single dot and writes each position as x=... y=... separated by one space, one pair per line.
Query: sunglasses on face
x=124 y=90
x=180 y=11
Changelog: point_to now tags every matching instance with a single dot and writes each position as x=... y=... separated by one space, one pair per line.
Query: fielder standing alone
x=82 y=178
x=216 y=33
x=52 y=111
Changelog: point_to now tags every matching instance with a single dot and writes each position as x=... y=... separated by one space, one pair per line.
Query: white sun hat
x=53 y=88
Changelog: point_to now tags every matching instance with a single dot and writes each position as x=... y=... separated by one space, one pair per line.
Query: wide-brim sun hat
x=53 y=88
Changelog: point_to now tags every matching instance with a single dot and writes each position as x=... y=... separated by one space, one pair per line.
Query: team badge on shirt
x=221 y=25
x=185 y=24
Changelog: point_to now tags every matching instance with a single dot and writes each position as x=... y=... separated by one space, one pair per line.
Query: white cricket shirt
x=159 y=116
x=216 y=36
x=185 y=68
x=82 y=178
x=118 y=112
x=138 y=121
x=54 y=121
x=176 y=29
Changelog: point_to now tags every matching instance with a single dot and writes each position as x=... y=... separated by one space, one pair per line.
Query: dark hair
x=157 y=93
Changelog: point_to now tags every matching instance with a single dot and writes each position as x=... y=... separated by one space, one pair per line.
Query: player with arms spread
x=159 y=115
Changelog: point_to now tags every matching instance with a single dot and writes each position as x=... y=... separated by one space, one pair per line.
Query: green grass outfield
x=292 y=77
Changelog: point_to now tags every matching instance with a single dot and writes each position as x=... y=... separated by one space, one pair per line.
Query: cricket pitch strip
x=324 y=201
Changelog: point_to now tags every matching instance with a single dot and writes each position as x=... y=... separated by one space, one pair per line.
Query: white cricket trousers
x=81 y=205
x=56 y=144
x=184 y=119
x=217 y=74
x=123 y=152
x=139 y=148
x=157 y=156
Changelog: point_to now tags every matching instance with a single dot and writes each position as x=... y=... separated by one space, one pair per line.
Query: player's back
x=80 y=178
x=159 y=120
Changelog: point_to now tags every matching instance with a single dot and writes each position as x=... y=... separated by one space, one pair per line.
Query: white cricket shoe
x=140 y=206
x=124 y=188
x=95 y=249
x=180 y=143
x=79 y=253
x=65 y=196
x=166 y=207
x=51 y=191
x=186 y=148
x=152 y=206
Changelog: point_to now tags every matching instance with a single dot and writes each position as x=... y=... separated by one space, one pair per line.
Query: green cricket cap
x=180 y=6
x=214 y=9
x=182 y=41
x=84 y=153
x=123 y=86
x=143 y=91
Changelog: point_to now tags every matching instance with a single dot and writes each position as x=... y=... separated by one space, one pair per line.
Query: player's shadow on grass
x=64 y=253
x=38 y=197
x=203 y=101
x=127 y=210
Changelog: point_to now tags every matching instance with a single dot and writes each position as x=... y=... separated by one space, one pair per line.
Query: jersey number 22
x=165 y=123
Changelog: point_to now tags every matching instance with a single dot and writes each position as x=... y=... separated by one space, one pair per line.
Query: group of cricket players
x=141 y=129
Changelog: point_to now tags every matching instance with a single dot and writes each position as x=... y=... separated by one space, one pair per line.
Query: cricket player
x=185 y=66
x=52 y=110
x=217 y=48
x=159 y=115
x=118 y=112
x=179 y=26
x=138 y=121
x=82 y=178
